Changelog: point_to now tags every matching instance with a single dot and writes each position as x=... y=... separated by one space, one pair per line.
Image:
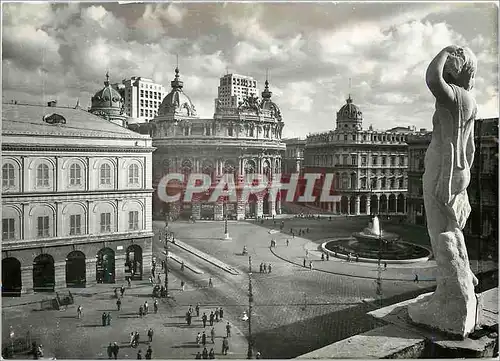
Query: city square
x=249 y=180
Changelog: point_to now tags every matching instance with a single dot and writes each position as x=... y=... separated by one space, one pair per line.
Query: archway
x=383 y=204
x=251 y=206
x=401 y=204
x=265 y=204
x=362 y=204
x=373 y=204
x=352 y=205
x=43 y=273
x=344 y=205
x=75 y=269
x=133 y=262
x=392 y=203
x=105 y=266
x=11 y=277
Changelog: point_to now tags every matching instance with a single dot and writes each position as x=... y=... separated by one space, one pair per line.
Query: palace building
x=76 y=199
x=238 y=140
x=369 y=166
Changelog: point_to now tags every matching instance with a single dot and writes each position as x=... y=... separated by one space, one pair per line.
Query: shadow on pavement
x=87 y=326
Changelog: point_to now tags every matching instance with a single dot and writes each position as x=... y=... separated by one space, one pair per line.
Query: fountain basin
x=369 y=249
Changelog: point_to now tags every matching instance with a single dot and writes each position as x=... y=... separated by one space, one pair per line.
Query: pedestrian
x=307 y=252
x=211 y=318
x=146 y=307
x=308 y=227
x=198 y=339
x=110 y=351
x=357 y=257
x=310 y=265
x=118 y=304
x=132 y=339
x=79 y=311
x=304 y=262
x=149 y=353
x=385 y=265
x=108 y=319
x=198 y=356
x=258 y=356
x=322 y=256
x=141 y=311
x=136 y=338
x=261 y=267
x=287 y=242
x=159 y=279
x=349 y=257
x=221 y=312
x=188 y=318
x=416 y=278
x=122 y=290
x=264 y=268
x=211 y=354
x=151 y=280
x=150 y=334
x=204 y=353
x=327 y=256
x=190 y=309
x=128 y=281
x=116 y=348
x=182 y=286
x=139 y=355
x=204 y=319
x=104 y=318
x=197 y=308
x=203 y=338
x=228 y=329
x=210 y=284
x=155 y=306
x=182 y=266
x=269 y=268
x=216 y=315
x=225 y=346
x=153 y=272
x=212 y=334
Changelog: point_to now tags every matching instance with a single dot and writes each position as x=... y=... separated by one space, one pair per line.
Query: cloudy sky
x=62 y=51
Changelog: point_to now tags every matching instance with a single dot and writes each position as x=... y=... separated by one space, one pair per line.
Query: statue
x=448 y=160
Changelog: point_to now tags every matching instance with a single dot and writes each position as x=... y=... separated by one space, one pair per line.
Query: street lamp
x=226 y=232
x=250 y=304
x=166 y=260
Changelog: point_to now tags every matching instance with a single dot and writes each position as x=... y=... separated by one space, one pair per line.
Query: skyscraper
x=142 y=97
x=234 y=88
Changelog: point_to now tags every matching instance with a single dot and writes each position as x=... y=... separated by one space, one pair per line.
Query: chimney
x=52 y=103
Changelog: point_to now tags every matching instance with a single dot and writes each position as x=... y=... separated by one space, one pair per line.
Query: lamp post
x=166 y=262
x=250 y=304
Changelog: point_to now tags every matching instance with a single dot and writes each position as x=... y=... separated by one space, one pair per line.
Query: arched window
x=75 y=174
x=8 y=175
x=42 y=175
x=133 y=174
x=105 y=174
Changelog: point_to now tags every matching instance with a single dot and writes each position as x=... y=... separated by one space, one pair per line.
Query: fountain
x=374 y=244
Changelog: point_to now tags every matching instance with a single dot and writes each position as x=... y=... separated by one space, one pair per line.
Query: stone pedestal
x=218 y=212
x=27 y=279
x=60 y=275
x=90 y=269
x=196 y=210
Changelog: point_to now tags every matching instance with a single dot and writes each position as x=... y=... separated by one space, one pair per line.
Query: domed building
x=108 y=103
x=369 y=166
x=237 y=140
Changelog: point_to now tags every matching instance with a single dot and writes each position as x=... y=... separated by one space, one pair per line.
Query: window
x=354 y=137
x=374 y=160
x=373 y=184
x=133 y=220
x=401 y=183
x=393 y=183
x=344 y=159
x=402 y=160
x=230 y=131
x=382 y=183
x=42 y=175
x=43 y=226
x=8 y=228
x=133 y=174
x=105 y=174
x=75 y=224
x=75 y=174
x=105 y=222
x=393 y=161
x=345 y=135
x=363 y=160
x=8 y=179
x=383 y=160
x=353 y=160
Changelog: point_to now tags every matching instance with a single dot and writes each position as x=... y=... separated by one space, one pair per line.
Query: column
x=90 y=269
x=27 y=278
x=404 y=205
x=58 y=221
x=260 y=207
x=120 y=265
x=240 y=209
x=368 y=205
x=378 y=205
x=218 y=212
x=348 y=205
x=272 y=205
x=60 y=275
x=357 y=205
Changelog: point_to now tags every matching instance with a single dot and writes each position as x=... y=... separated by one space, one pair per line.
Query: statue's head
x=460 y=68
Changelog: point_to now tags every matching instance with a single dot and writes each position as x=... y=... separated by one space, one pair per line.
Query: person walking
x=216 y=315
x=204 y=353
x=128 y=282
x=122 y=290
x=198 y=356
x=228 y=329
x=198 y=339
x=108 y=319
x=328 y=256
x=188 y=318
x=261 y=267
x=141 y=311
x=149 y=353
x=110 y=351
x=132 y=339
x=304 y=262
x=221 y=312
x=139 y=355
x=104 y=318
x=212 y=334
x=310 y=265
x=146 y=307
x=211 y=354
x=287 y=242
x=225 y=346
x=211 y=318
x=116 y=348
x=269 y=268
x=264 y=268
x=151 y=280
x=150 y=334
x=118 y=304
x=416 y=278
x=322 y=256
x=182 y=286
x=79 y=311
x=204 y=319
x=182 y=266
x=197 y=308
x=136 y=338
x=385 y=265
x=210 y=283
x=155 y=305
x=204 y=339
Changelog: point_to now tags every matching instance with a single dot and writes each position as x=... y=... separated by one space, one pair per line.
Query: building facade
x=237 y=141
x=293 y=159
x=109 y=104
x=76 y=200
x=369 y=166
x=487 y=135
x=142 y=98
x=234 y=89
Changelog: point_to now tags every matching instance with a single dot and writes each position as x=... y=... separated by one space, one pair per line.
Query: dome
x=268 y=104
x=177 y=102
x=349 y=111
x=108 y=97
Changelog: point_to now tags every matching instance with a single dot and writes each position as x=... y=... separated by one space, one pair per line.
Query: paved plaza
x=296 y=310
